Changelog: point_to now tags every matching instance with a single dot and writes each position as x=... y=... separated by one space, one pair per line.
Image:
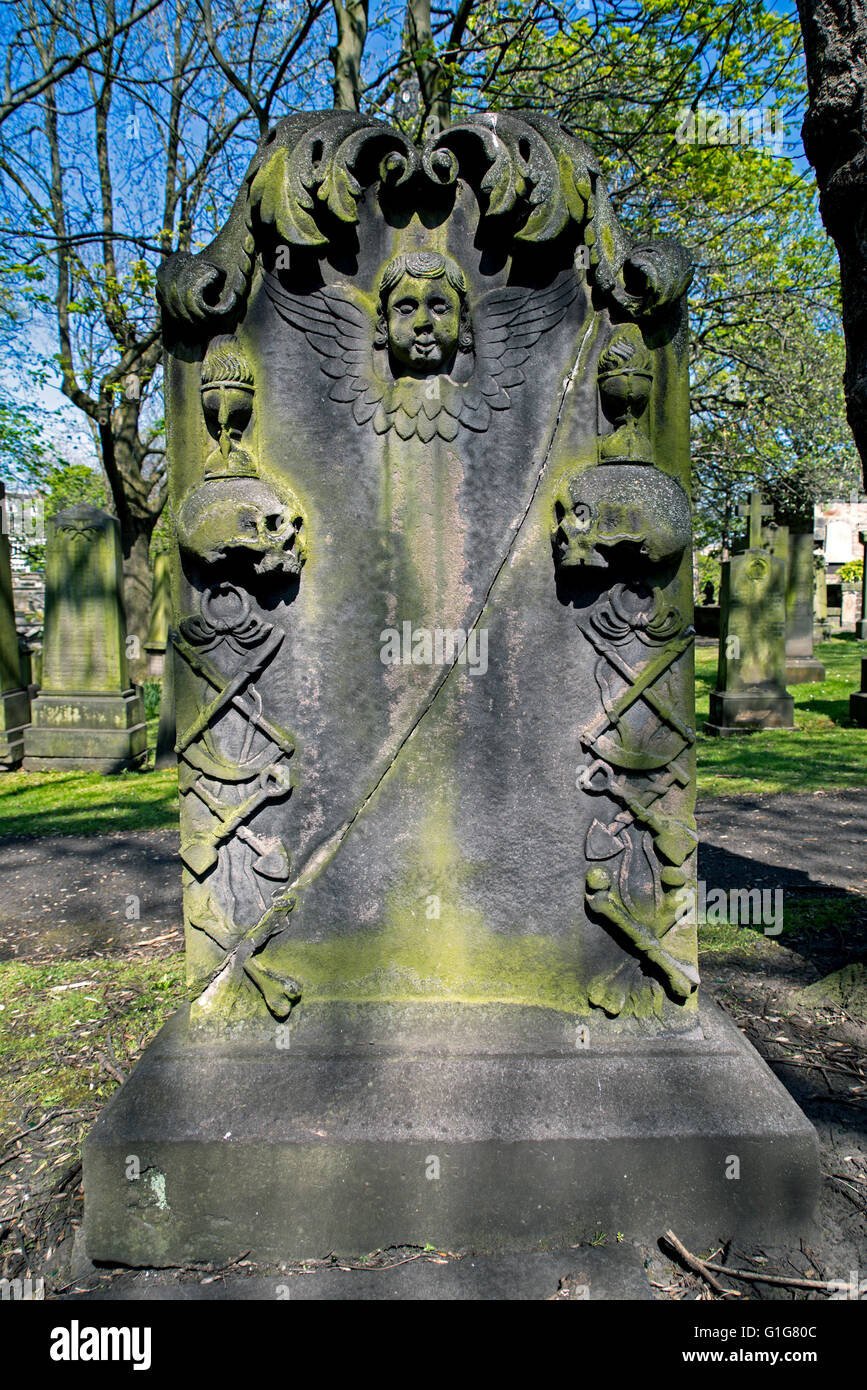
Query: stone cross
x=755 y=510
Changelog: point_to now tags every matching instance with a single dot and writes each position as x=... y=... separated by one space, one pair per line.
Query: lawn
x=825 y=752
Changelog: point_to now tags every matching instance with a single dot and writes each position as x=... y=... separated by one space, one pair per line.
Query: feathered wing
x=507 y=323
x=338 y=322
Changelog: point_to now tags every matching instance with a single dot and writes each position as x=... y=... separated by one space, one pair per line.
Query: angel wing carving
x=339 y=322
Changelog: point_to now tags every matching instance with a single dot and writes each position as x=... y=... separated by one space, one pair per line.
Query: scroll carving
x=534 y=180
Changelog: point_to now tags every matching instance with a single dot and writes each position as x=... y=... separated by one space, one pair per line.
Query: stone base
x=861 y=629
x=801 y=669
x=93 y=733
x=14 y=718
x=747 y=711
x=370 y=1126
x=858 y=708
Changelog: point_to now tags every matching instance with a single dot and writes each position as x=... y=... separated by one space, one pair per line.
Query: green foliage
x=852 y=572
x=152 y=691
x=707 y=570
x=637 y=81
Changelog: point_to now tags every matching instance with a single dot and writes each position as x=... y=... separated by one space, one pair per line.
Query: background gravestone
x=14 y=697
x=751 y=672
x=161 y=610
x=801 y=662
x=86 y=715
x=427 y=419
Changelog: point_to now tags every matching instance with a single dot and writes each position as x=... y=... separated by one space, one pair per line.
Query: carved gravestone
x=427 y=415
x=161 y=610
x=87 y=713
x=14 y=697
x=751 y=672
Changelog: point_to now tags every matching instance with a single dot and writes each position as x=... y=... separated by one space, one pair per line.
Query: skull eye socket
x=274 y=521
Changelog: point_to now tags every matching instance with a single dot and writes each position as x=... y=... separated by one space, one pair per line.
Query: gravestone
x=87 y=714
x=161 y=607
x=427 y=416
x=751 y=671
x=861 y=625
x=14 y=696
x=801 y=663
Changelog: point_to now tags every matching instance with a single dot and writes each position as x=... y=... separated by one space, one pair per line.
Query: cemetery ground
x=91 y=965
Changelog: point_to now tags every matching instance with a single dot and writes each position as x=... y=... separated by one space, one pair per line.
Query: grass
x=87 y=803
x=56 y=1020
x=825 y=752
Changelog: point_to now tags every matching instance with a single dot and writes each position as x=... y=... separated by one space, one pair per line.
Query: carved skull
x=611 y=511
x=225 y=516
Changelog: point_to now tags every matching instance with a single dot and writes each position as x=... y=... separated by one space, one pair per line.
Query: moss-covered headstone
x=14 y=697
x=427 y=419
x=751 y=671
x=87 y=714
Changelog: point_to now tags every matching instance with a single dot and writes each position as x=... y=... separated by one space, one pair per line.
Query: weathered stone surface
x=751 y=673
x=161 y=615
x=427 y=417
x=801 y=663
x=14 y=697
x=86 y=714
x=328 y=1143
x=861 y=624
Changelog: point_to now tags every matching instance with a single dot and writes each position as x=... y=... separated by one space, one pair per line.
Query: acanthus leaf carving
x=530 y=173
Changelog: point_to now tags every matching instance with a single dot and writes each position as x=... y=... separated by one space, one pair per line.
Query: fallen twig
x=696 y=1265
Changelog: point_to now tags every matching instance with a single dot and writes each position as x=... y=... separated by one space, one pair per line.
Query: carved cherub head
x=423 y=314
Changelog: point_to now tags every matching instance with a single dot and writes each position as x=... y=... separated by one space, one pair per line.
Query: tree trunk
x=835 y=139
x=346 y=55
x=138 y=511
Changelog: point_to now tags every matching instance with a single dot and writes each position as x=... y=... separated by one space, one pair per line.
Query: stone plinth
x=87 y=714
x=470 y=1129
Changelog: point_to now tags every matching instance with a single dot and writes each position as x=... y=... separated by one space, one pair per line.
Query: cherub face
x=423 y=319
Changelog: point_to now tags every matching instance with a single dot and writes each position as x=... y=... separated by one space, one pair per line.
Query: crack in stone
x=326 y=851
x=257 y=936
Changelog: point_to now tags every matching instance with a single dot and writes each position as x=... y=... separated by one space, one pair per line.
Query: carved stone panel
x=427 y=416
